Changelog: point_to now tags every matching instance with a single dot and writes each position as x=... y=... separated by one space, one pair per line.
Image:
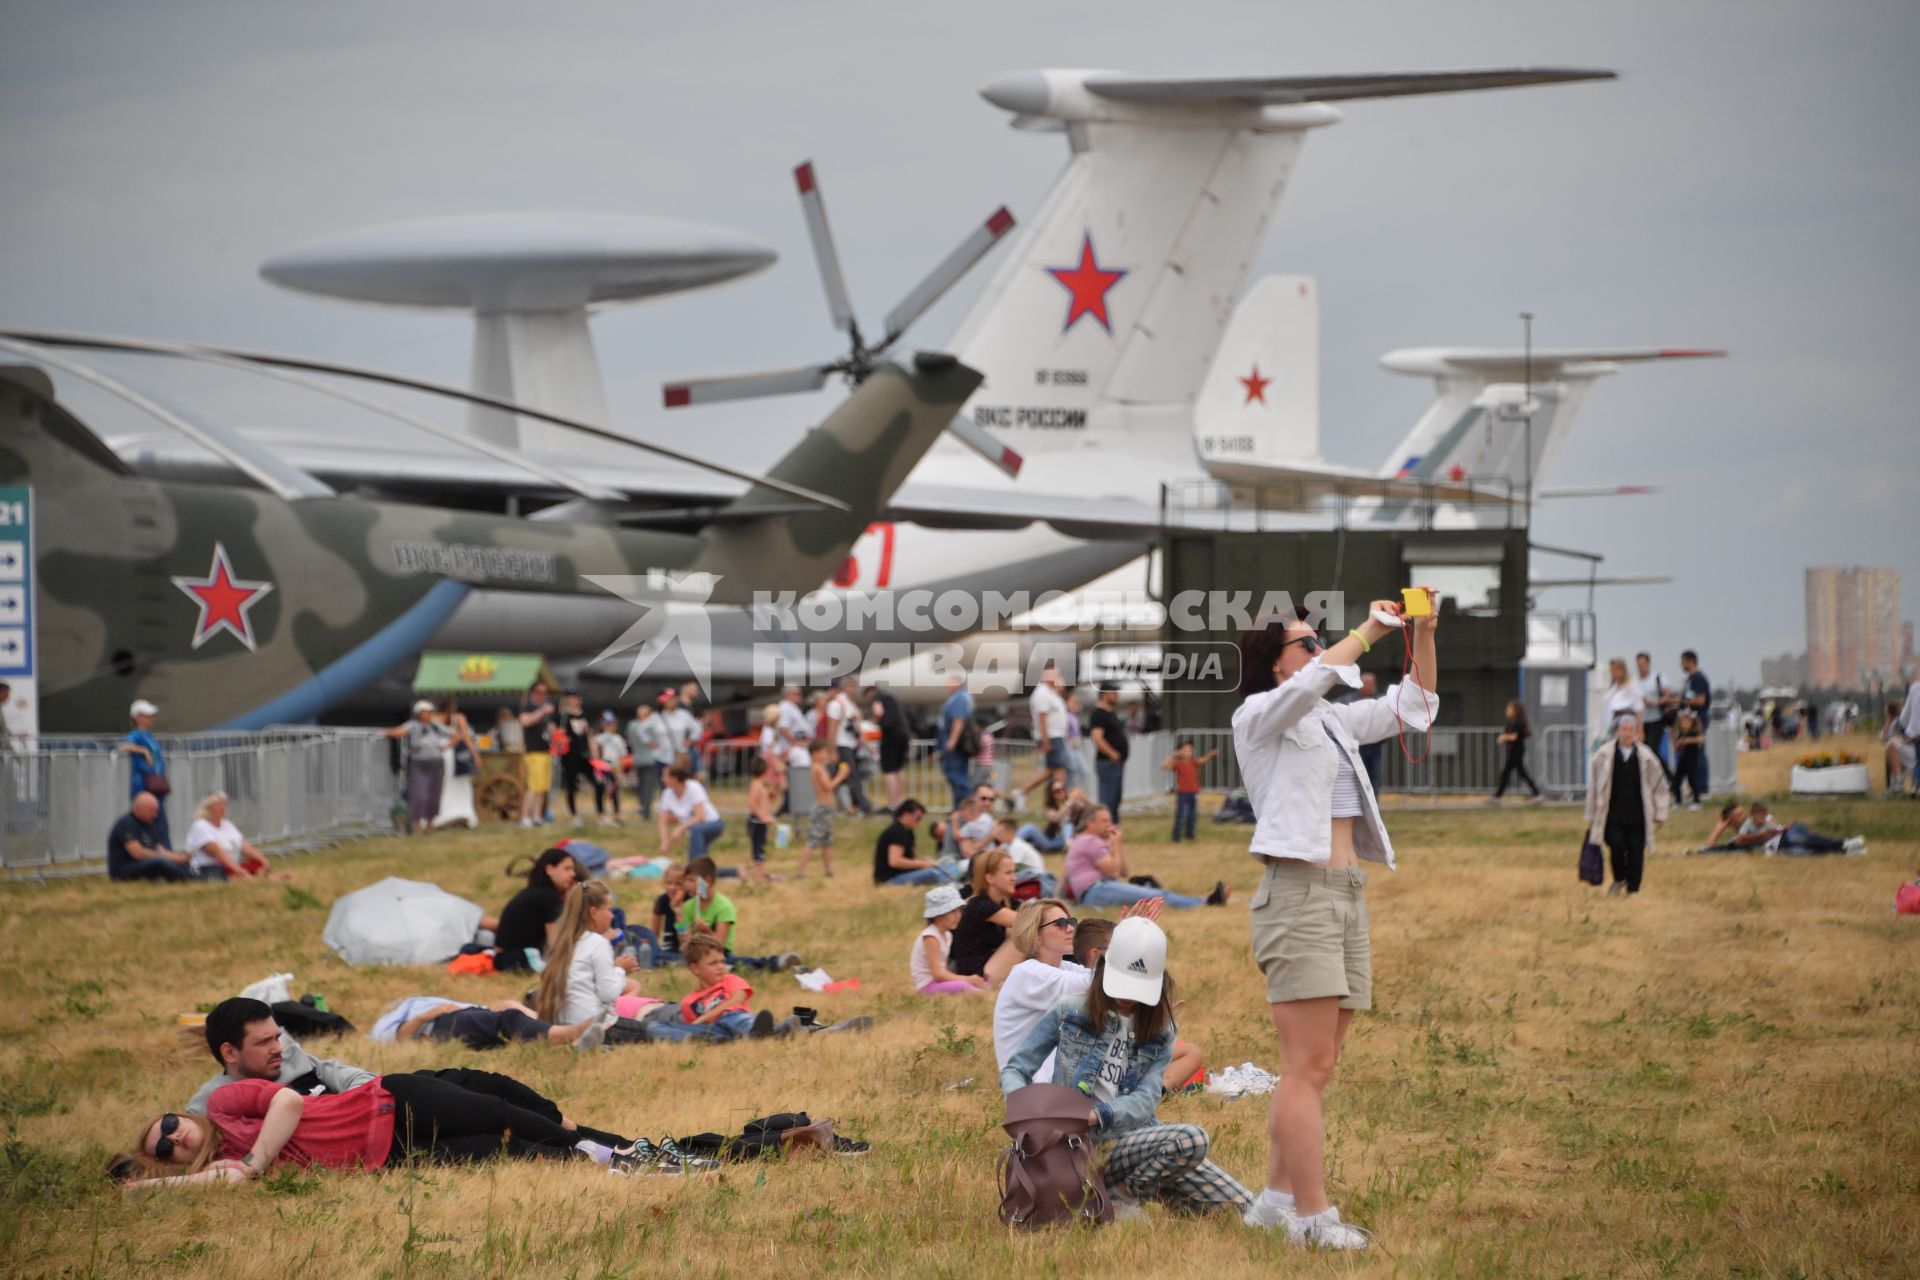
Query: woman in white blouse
x=215 y=847
x=686 y=810
x=1316 y=819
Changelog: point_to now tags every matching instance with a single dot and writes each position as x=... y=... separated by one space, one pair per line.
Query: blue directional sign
x=16 y=582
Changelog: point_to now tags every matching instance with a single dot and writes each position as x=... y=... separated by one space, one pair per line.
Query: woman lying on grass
x=251 y=1125
x=1114 y=1044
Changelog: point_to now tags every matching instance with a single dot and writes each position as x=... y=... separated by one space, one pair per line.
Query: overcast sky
x=1751 y=182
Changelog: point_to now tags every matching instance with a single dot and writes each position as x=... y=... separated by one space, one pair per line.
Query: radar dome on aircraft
x=529 y=279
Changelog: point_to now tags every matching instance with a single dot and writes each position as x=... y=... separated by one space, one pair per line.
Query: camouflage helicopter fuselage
x=232 y=607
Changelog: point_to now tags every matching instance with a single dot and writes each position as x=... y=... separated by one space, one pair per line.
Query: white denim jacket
x=1289 y=761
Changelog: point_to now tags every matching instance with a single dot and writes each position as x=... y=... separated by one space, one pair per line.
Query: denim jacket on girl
x=1066 y=1032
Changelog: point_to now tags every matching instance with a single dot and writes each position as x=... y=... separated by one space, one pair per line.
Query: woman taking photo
x=1114 y=1043
x=1316 y=819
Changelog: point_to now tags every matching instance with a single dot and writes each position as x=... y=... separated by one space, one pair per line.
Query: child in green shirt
x=710 y=913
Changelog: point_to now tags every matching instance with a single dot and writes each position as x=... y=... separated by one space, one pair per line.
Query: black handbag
x=1592 y=870
x=462 y=760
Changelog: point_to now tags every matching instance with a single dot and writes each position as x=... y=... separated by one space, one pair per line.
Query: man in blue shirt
x=143 y=750
x=1696 y=694
x=955 y=712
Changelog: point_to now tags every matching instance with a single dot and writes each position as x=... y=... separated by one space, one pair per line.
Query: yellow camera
x=1415 y=603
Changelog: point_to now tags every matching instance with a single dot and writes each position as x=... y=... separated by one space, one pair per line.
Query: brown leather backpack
x=1047 y=1174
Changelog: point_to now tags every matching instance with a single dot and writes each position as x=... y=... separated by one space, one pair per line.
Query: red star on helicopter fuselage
x=224 y=600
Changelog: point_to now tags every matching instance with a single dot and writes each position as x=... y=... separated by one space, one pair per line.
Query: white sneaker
x=1324 y=1230
x=1694 y=807
x=526 y=822
x=1856 y=844
x=1265 y=1216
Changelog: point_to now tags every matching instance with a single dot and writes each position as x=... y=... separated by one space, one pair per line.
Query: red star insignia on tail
x=1456 y=473
x=1087 y=283
x=224 y=600
x=1256 y=386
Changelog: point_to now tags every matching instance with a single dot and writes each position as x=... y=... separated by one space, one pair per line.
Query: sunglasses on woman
x=1312 y=644
x=1065 y=922
x=163 y=1149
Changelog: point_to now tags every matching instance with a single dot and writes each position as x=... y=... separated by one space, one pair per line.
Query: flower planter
x=1835 y=780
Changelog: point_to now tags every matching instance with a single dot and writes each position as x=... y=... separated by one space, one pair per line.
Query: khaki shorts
x=1310 y=933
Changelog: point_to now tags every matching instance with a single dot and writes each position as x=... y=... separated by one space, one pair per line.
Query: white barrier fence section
x=1451 y=761
x=1463 y=761
x=286 y=789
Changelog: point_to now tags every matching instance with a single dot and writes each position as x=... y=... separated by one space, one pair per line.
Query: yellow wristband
x=1364 y=646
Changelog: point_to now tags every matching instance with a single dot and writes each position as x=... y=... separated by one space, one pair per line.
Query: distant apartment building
x=1854 y=630
x=1788 y=671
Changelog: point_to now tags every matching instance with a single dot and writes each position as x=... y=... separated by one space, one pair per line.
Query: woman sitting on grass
x=1114 y=1043
x=1053 y=835
x=988 y=915
x=251 y=1125
x=583 y=978
x=528 y=920
x=927 y=963
x=216 y=848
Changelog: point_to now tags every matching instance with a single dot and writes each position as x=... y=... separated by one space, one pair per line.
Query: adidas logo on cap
x=1138 y=966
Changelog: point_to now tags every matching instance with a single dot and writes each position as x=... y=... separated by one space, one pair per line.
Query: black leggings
x=511 y=1091
x=1516 y=764
x=450 y=1124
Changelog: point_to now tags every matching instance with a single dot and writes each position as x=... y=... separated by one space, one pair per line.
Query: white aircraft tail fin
x=1477 y=428
x=1122 y=283
x=1102 y=319
x=1261 y=398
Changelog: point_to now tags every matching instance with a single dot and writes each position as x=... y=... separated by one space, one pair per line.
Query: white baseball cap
x=422 y=705
x=141 y=707
x=1136 y=962
x=942 y=899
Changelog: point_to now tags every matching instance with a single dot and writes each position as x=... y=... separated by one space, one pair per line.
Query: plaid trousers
x=1168 y=1162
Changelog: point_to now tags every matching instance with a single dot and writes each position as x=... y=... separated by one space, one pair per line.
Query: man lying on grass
x=1758 y=831
x=249 y=1045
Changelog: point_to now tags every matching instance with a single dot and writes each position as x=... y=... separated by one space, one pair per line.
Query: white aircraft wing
x=1299 y=486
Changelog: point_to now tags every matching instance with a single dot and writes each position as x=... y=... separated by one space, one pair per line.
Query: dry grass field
x=1721 y=1078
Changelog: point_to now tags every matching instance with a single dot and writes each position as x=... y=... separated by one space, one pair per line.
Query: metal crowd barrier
x=287 y=788
x=1453 y=761
x=1459 y=761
